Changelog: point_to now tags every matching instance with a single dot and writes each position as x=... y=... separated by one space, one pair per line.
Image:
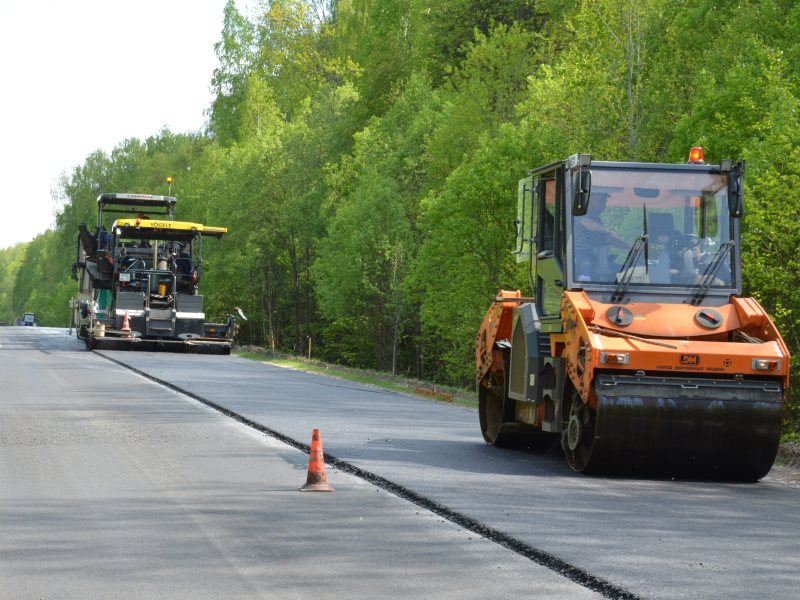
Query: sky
x=84 y=75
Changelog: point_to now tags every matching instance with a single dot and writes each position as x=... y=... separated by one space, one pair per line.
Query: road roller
x=634 y=346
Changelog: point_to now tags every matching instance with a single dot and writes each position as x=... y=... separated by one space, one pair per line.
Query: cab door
x=547 y=258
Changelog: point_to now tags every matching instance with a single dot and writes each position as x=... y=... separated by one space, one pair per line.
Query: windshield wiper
x=625 y=274
x=710 y=272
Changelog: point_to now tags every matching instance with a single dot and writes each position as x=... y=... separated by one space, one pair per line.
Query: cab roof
x=143 y=200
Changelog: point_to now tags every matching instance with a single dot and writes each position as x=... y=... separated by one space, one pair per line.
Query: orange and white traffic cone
x=316 y=481
x=126 y=326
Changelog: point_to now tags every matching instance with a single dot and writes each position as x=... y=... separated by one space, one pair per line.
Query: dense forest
x=364 y=155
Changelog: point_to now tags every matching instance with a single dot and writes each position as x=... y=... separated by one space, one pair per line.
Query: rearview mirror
x=583 y=189
x=735 y=192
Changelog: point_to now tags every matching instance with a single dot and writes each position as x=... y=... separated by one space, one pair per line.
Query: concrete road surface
x=112 y=486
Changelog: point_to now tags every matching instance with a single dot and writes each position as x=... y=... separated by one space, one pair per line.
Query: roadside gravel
x=787 y=466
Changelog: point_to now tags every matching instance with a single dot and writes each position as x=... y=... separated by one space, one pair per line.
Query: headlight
x=614 y=358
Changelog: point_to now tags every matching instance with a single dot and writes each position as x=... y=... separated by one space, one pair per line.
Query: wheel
x=495 y=409
x=490 y=413
x=497 y=414
x=579 y=437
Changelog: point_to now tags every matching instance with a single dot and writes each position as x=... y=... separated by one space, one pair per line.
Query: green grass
x=380 y=379
x=791 y=437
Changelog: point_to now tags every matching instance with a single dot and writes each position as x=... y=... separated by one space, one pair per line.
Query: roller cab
x=635 y=346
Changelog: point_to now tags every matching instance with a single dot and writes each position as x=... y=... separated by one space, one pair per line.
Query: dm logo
x=690 y=359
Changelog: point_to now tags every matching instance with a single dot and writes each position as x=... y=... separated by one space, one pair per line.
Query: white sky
x=83 y=75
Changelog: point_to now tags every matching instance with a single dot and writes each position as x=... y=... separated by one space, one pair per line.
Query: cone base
x=316 y=487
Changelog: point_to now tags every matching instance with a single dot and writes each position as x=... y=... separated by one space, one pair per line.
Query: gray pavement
x=114 y=487
x=654 y=538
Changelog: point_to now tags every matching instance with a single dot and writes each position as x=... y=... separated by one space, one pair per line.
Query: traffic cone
x=316 y=480
x=126 y=326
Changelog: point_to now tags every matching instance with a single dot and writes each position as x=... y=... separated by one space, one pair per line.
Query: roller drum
x=709 y=428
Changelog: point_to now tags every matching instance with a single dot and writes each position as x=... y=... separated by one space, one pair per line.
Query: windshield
x=654 y=227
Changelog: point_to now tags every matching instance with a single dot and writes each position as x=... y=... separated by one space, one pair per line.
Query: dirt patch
x=787 y=465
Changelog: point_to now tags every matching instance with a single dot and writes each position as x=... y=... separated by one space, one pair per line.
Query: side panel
x=525 y=356
x=185 y=303
x=130 y=301
x=190 y=318
x=536 y=378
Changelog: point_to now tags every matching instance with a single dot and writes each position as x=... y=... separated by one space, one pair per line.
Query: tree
x=443 y=32
x=465 y=257
x=235 y=52
x=591 y=98
x=387 y=164
x=374 y=36
x=11 y=259
x=363 y=262
x=481 y=94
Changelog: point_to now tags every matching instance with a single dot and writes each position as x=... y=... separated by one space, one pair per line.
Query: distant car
x=28 y=320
